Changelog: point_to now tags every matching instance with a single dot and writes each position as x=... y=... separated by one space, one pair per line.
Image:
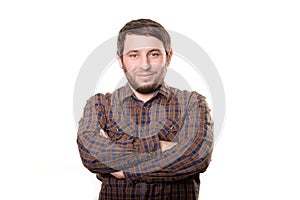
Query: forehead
x=136 y=42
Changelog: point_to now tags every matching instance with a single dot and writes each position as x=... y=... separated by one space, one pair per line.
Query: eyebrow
x=135 y=51
x=132 y=51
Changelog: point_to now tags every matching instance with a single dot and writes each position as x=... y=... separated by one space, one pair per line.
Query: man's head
x=144 y=52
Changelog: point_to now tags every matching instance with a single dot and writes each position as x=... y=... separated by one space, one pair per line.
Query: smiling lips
x=144 y=75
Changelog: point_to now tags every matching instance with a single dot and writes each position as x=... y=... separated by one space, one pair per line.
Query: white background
x=254 y=44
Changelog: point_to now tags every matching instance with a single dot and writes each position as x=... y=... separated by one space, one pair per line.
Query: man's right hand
x=164 y=145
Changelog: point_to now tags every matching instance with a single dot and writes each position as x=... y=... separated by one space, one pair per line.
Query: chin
x=148 y=88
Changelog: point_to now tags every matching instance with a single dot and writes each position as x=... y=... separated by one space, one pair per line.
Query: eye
x=155 y=54
x=133 y=55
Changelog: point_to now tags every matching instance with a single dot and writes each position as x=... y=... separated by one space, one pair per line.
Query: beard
x=146 y=87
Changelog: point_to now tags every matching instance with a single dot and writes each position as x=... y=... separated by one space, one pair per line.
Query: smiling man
x=144 y=63
x=146 y=140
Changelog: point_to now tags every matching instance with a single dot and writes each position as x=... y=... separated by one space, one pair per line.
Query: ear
x=169 y=57
x=120 y=61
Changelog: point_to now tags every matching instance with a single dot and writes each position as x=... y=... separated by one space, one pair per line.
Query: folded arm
x=191 y=154
x=103 y=155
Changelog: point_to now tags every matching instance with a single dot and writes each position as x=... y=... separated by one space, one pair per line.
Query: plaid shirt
x=135 y=129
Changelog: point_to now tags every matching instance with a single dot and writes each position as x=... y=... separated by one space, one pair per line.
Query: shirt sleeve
x=106 y=155
x=192 y=153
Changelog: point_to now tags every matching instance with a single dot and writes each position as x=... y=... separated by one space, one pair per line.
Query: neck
x=140 y=96
x=143 y=97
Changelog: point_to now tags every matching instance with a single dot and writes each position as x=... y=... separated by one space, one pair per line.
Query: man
x=146 y=140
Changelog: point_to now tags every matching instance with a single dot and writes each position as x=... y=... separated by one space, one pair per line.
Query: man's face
x=144 y=62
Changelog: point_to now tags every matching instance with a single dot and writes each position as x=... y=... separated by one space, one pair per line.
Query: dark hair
x=144 y=27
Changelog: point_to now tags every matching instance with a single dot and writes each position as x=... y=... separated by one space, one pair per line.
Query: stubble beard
x=148 y=88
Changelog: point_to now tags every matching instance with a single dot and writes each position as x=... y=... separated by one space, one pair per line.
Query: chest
x=145 y=120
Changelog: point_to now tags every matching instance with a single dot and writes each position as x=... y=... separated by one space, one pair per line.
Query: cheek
x=162 y=61
x=129 y=64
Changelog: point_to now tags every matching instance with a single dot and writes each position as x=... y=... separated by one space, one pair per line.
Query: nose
x=145 y=62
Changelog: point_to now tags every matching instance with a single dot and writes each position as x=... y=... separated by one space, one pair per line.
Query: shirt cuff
x=135 y=174
x=133 y=178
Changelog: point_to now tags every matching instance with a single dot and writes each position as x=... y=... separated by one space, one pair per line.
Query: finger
x=103 y=133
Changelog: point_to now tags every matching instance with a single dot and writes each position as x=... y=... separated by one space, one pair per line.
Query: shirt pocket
x=169 y=130
x=116 y=130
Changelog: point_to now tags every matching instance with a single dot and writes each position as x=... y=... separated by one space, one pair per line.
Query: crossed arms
x=161 y=157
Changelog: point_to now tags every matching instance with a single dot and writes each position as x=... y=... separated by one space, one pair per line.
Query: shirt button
x=134 y=140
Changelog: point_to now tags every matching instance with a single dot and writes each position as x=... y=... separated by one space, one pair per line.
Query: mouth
x=145 y=75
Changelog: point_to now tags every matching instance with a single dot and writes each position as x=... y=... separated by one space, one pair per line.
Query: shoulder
x=192 y=102
x=188 y=97
x=98 y=99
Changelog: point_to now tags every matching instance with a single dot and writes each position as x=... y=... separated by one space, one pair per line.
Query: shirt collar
x=127 y=92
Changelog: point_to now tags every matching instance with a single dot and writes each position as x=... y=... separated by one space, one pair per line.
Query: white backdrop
x=254 y=44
